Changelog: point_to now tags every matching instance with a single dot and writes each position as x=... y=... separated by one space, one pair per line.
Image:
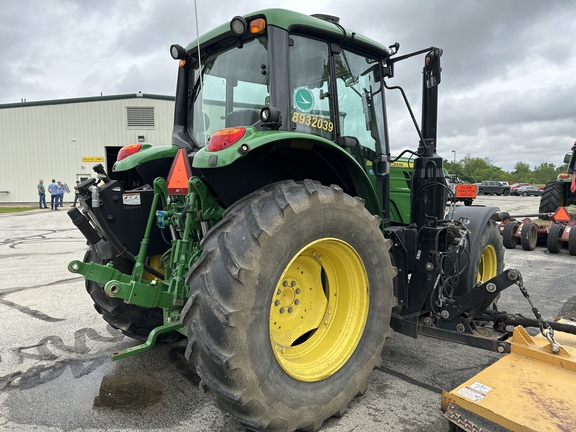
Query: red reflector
x=561 y=215
x=225 y=138
x=128 y=150
x=564 y=176
x=179 y=174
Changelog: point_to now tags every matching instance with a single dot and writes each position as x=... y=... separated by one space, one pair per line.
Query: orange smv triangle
x=179 y=174
x=561 y=215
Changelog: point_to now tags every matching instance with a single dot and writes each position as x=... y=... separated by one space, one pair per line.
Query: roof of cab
x=297 y=22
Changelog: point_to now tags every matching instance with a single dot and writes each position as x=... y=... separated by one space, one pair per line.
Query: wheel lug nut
x=297 y=290
x=279 y=292
x=296 y=301
x=289 y=310
x=281 y=310
x=277 y=303
x=285 y=283
x=293 y=283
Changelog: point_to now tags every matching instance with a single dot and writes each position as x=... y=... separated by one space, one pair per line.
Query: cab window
x=311 y=110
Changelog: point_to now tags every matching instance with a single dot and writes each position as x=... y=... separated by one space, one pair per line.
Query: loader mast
x=428 y=191
x=428 y=195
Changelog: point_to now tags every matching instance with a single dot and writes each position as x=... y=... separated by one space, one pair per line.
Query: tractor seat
x=242 y=118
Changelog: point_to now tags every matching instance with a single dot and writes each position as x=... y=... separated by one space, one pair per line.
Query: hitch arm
x=478 y=299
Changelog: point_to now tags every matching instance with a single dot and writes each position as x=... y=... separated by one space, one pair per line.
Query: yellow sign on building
x=93 y=159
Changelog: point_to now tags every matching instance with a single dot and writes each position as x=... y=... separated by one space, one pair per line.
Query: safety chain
x=545 y=329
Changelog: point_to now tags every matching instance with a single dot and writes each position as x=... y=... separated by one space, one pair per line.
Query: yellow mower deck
x=530 y=389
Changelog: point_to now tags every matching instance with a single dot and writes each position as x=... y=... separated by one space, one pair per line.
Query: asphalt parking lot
x=56 y=375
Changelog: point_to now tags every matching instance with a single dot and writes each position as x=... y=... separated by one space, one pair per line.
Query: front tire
x=491 y=253
x=290 y=305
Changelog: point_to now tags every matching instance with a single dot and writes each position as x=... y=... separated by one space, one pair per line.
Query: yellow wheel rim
x=154 y=262
x=319 y=310
x=488 y=267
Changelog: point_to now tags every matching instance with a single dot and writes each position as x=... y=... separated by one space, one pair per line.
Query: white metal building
x=63 y=139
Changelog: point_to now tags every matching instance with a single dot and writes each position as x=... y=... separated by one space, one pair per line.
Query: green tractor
x=270 y=233
x=559 y=193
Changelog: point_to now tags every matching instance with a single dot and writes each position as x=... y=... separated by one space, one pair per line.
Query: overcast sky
x=508 y=90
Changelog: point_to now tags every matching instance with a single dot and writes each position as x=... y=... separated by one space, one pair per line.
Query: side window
x=359 y=99
x=310 y=87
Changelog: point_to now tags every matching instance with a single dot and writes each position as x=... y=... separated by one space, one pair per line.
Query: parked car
x=517 y=185
x=492 y=187
x=527 y=190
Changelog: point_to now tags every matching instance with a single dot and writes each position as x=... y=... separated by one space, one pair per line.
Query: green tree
x=522 y=172
x=545 y=172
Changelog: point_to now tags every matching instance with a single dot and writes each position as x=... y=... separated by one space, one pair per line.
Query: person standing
x=41 y=194
x=60 y=193
x=76 y=193
x=53 y=189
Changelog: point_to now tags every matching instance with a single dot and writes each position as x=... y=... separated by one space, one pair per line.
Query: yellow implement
x=530 y=389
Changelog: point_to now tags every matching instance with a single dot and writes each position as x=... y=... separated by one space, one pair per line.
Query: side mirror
x=567 y=157
x=432 y=69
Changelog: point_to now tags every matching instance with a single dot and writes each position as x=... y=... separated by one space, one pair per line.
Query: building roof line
x=88 y=99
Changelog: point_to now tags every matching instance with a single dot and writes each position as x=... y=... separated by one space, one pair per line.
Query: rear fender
x=146 y=154
x=264 y=157
x=478 y=217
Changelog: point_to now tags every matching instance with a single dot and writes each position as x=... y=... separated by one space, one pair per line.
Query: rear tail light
x=225 y=138
x=128 y=150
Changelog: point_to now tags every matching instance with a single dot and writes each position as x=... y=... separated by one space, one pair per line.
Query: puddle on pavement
x=128 y=393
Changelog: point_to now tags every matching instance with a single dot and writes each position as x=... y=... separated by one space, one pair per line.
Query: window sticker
x=303 y=99
x=313 y=122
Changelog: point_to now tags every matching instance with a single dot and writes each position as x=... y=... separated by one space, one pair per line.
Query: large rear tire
x=552 y=197
x=134 y=321
x=290 y=305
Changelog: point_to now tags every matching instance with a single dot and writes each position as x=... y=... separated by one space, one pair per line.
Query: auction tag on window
x=131 y=199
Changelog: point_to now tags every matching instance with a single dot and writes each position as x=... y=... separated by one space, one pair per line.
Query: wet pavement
x=56 y=374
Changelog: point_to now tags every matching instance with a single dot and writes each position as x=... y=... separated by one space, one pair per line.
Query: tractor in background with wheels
x=562 y=191
x=265 y=232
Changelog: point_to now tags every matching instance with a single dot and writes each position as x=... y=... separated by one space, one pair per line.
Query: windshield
x=234 y=89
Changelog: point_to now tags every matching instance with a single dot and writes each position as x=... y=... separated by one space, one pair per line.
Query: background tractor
x=560 y=192
x=268 y=234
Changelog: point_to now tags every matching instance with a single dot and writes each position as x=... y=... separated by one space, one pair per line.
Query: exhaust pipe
x=84 y=226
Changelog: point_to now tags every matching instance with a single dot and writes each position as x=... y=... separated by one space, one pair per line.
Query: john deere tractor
x=264 y=232
x=559 y=193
